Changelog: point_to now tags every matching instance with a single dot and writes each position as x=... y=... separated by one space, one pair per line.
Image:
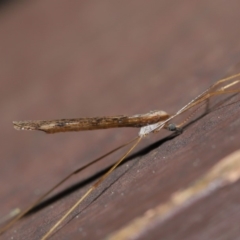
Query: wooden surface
x=67 y=59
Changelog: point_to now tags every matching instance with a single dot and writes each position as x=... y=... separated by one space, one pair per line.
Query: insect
x=149 y=123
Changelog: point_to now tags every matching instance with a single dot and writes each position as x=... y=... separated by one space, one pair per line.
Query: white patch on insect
x=148 y=129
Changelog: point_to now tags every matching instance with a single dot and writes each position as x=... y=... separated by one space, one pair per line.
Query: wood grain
x=92 y=58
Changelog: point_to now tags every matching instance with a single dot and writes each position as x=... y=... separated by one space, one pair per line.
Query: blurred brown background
x=66 y=59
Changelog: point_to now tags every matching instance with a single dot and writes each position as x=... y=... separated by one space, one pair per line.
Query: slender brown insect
x=151 y=122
